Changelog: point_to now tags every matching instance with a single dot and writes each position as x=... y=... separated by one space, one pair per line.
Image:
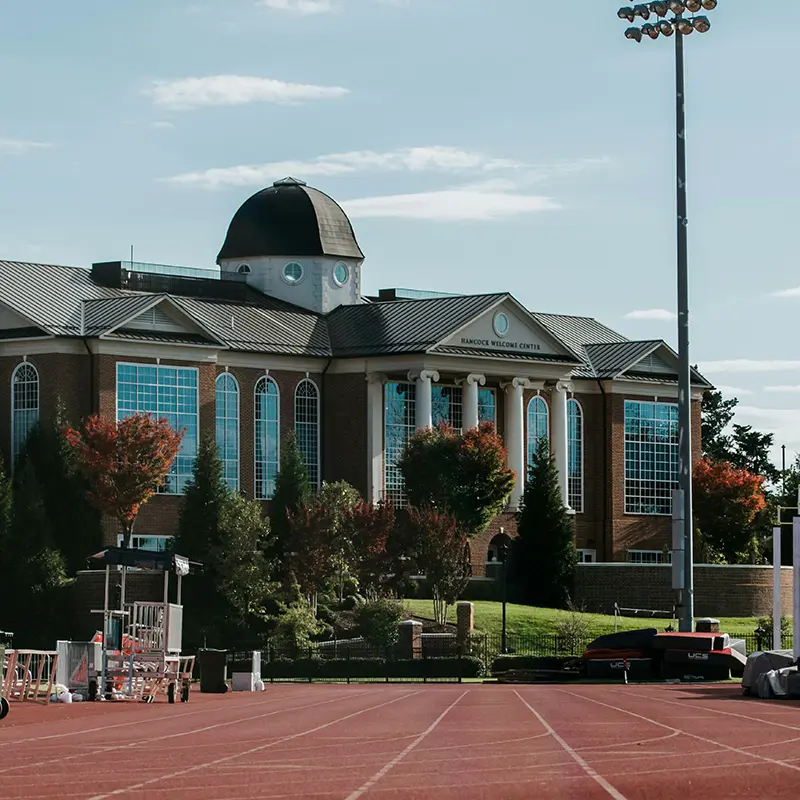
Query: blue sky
x=521 y=146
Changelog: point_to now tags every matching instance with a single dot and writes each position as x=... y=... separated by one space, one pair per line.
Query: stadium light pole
x=670 y=20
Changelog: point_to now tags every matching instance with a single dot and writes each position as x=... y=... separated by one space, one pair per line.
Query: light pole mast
x=679 y=26
x=684 y=364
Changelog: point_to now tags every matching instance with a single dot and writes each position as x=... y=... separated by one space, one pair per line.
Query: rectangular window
x=587 y=556
x=399 y=426
x=651 y=457
x=166 y=392
x=487 y=406
x=447 y=406
x=649 y=557
x=146 y=542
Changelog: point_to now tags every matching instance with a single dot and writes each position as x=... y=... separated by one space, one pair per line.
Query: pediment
x=162 y=316
x=508 y=328
x=661 y=360
x=11 y=320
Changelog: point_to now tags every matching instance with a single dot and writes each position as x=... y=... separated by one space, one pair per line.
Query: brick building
x=281 y=337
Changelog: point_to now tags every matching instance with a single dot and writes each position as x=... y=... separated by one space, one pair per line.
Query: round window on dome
x=341 y=274
x=500 y=323
x=293 y=272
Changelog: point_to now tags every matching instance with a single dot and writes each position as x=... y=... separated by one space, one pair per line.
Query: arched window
x=537 y=425
x=24 y=406
x=228 y=428
x=306 y=426
x=267 y=434
x=575 y=455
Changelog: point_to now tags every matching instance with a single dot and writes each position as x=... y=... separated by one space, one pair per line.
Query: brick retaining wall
x=720 y=590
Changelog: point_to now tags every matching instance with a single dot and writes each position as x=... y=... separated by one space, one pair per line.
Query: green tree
x=199 y=538
x=292 y=490
x=75 y=523
x=752 y=452
x=464 y=474
x=716 y=415
x=243 y=572
x=32 y=568
x=543 y=557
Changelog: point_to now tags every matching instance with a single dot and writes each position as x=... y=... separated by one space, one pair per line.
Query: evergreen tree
x=543 y=557
x=32 y=568
x=199 y=538
x=292 y=491
x=76 y=525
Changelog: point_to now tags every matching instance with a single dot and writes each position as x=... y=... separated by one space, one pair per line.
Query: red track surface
x=410 y=741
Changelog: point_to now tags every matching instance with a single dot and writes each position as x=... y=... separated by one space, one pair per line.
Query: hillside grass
x=531 y=621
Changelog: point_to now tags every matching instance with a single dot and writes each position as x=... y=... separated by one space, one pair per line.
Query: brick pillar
x=465 y=620
x=410 y=642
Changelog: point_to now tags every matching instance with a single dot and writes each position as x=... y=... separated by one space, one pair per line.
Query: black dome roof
x=290 y=219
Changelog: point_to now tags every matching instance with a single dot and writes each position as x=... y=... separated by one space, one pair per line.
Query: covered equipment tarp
x=762 y=662
x=152 y=560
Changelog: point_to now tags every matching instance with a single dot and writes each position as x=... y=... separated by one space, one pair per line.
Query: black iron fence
x=436 y=658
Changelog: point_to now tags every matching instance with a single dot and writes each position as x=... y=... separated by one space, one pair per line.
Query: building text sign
x=500 y=344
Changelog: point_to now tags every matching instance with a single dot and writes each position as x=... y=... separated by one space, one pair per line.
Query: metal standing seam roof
x=102 y=314
x=402 y=326
x=608 y=360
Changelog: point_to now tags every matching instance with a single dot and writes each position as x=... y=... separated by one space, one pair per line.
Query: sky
x=516 y=146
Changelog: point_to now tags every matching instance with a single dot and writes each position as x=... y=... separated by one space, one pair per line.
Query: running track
x=410 y=741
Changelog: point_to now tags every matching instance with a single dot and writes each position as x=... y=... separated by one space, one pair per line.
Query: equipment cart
x=141 y=642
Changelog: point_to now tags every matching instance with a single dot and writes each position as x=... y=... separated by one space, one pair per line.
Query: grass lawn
x=527 y=620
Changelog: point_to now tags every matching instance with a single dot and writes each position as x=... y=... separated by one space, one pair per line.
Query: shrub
x=377 y=621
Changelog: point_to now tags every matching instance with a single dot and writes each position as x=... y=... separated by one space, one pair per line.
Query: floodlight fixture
x=660 y=8
x=701 y=24
x=650 y=30
x=709 y=5
x=693 y=5
x=676 y=7
x=634 y=33
x=666 y=27
x=642 y=10
x=626 y=12
x=684 y=26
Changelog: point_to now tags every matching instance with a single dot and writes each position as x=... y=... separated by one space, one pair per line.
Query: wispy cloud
x=233 y=90
x=782 y=389
x=411 y=159
x=18 y=147
x=783 y=422
x=303 y=8
x=793 y=292
x=162 y=125
x=733 y=391
x=746 y=365
x=652 y=314
x=450 y=205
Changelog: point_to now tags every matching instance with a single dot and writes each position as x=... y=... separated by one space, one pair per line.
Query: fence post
x=310 y=677
x=347 y=668
x=460 y=655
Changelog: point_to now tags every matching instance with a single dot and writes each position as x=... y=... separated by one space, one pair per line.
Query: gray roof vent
x=290 y=182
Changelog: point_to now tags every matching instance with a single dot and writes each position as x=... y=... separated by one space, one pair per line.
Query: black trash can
x=213 y=671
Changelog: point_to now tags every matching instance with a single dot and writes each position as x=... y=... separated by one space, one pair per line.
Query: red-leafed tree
x=726 y=502
x=442 y=550
x=464 y=474
x=373 y=561
x=125 y=462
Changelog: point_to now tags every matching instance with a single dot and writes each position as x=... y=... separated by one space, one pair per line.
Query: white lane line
x=365 y=787
x=180 y=715
x=657 y=698
x=731 y=748
x=224 y=759
x=127 y=745
x=575 y=756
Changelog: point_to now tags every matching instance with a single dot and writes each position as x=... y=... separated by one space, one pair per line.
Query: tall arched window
x=306 y=426
x=575 y=455
x=228 y=428
x=537 y=425
x=24 y=406
x=267 y=434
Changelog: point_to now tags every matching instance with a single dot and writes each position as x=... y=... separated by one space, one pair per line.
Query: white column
x=558 y=435
x=375 y=438
x=515 y=445
x=423 y=402
x=776 y=588
x=469 y=401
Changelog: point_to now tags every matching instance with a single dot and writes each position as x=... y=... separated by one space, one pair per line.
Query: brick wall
x=720 y=591
x=345 y=430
